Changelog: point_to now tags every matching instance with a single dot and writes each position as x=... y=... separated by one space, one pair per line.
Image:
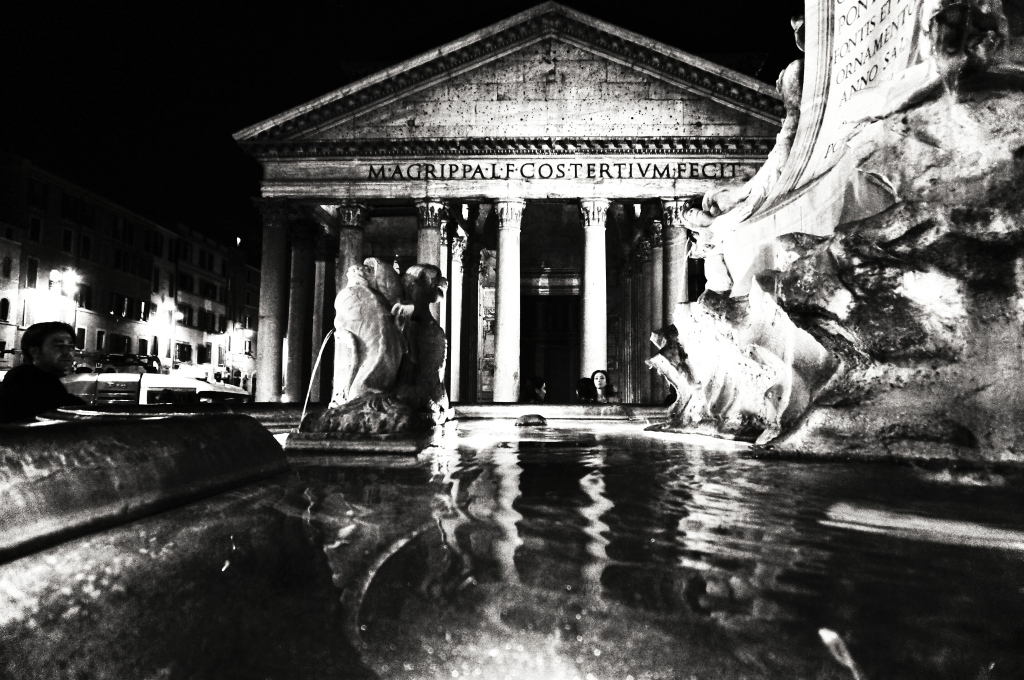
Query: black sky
x=137 y=102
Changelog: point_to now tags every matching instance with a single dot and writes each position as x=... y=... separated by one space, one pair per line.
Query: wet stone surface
x=591 y=552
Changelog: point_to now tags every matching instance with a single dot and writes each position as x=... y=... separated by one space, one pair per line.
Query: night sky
x=137 y=102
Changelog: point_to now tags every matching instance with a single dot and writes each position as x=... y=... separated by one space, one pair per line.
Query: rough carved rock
x=927 y=297
x=531 y=420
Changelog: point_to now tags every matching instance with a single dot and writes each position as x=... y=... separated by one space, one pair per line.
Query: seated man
x=35 y=386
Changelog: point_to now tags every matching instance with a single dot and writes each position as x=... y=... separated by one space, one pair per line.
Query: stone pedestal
x=594 y=340
x=507 y=304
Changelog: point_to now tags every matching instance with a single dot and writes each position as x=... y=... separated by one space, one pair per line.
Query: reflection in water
x=620 y=555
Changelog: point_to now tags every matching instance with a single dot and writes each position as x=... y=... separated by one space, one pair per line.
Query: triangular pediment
x=548 y=73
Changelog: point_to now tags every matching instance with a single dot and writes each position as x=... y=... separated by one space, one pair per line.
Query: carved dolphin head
x=423 y=284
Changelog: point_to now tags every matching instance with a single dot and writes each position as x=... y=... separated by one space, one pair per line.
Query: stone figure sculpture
x=389 y=371
x=706 y=218
x=422 y=377
x=370 y=344
x=740 y=366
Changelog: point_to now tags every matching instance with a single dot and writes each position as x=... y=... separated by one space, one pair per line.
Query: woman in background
x=606 y=392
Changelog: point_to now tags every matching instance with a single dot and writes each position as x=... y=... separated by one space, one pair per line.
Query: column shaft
x=351 y=218
x=677 y=254
x=317 y=337
x=298 y=318
x=274 y=262
x=458 y=246
x=594 y=340
x=646 y=321
x=657 y=309
x=431 y=216
x=507 y=302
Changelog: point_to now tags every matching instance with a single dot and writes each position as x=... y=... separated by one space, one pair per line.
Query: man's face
x=57 y=355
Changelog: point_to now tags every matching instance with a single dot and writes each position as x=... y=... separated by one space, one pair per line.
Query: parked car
x=150 y=388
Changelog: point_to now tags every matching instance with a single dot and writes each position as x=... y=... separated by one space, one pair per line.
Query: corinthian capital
x=672 y=212
x=656 y=232
x=430 y=213
x=509 y=213
x=351 y=215
x=275 y=211
x=593 y=212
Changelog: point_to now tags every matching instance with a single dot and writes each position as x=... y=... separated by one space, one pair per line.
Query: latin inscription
x=870 y=34
x=553 y=171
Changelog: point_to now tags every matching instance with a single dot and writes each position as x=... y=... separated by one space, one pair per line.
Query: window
x=158 y=244
x=35 y=229
x=207 y=290
x=38 y=194
x=248 y=297
x=188 y=317
x=5 y=309
x=248 y=322
x=186 y=282
x=116 y=228
x=205 y=354
x=222 y=324
x=79 y=338
x=85 y=249
x=32 y=273
x=78 y=210
x=156 y=279
x=147 y=240
x=8 y=264
x=143 y=346
x=101 y=336
x=156 y=346
x=3 y=349
x=184 y=251
x=85 y=296
x=128 y=234
x=248 y=347
x=184 y=352
x=144 y=310
x=26 y=317
x=67 y=243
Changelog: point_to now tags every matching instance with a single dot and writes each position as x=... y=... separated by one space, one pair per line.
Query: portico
x=527 y=159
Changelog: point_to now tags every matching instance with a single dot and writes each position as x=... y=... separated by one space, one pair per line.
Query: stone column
x=646 y=319
x=273 y=264
x=430 y=216
x=351 y=221
x=507 y=302
x=677 y=252
x=458 y=247
x=594 y=341
x=657 y=308
x=319 y=300
x=298 y=313
x=443 y=306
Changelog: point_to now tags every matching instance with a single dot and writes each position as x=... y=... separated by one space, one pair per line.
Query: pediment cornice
x=519 y=146
x=549 y=20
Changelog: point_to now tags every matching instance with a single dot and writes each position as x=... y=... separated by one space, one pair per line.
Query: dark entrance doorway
x=550 y=327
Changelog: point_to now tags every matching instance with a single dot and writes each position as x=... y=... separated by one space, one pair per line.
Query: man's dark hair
x=37 y=334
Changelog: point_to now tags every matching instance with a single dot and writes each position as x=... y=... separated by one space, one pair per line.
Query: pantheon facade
x=542 y=163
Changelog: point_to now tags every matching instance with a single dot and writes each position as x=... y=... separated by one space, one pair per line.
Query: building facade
x=126 y=285
x=542 y=163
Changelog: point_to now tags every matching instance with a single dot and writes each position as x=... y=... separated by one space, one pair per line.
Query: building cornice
x=545 y=21
x=745 y=147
